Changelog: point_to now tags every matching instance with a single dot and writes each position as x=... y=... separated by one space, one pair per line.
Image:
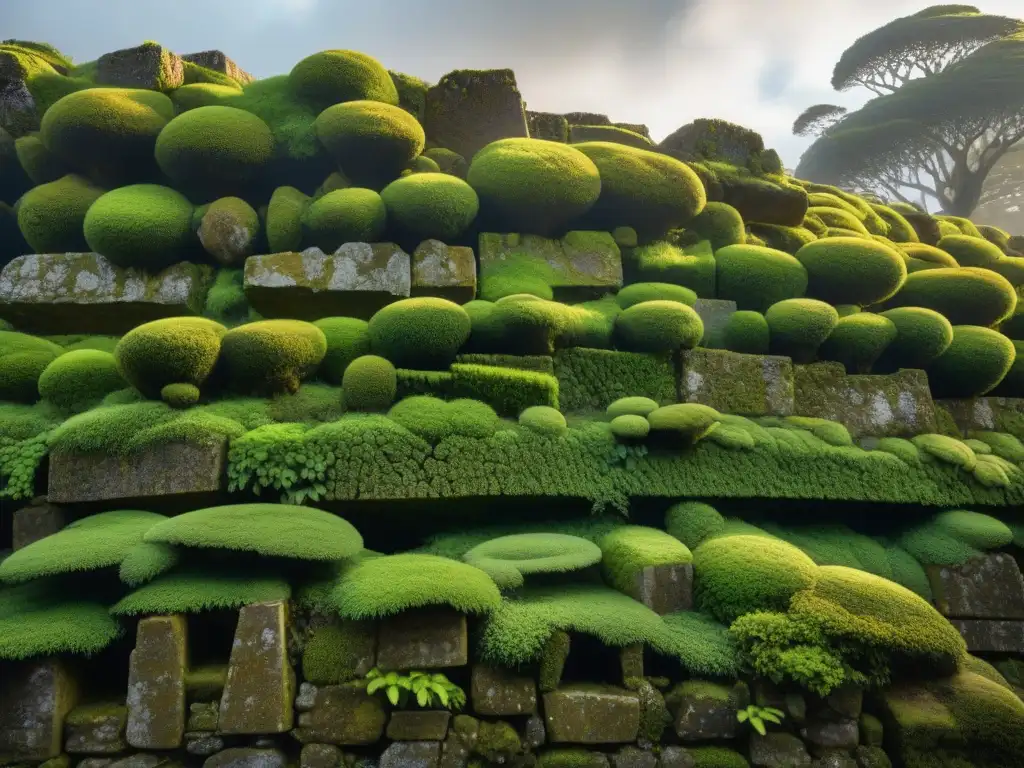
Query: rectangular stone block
x=30 y=524
x=445 y=271
x=431 y=638
x=991 y=636
x=35 y=697
x=897 y=405
x=354 y=281
x=703 y=711
x=730 y=382
x=591 y=714
x=344 y=715
x=165 y=470
x=260 y=687
x=715 y=314
x=990 y=587
x=664 y=588
x=148 y=66
x=468 y=109
x=156 y=683
x=583 y=265
x=498 y=692
x=218 y=61
x=65 y=293
x=411 y=754
x=418 y=726
x=96 y=729
x=980 y=413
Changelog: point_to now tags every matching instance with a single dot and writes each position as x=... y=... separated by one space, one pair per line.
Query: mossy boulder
x=966 y=296
x=174 y=350
x=370 y=383
x=143 y=225
x=920 y=256
x=447 y=161
x=858 y=340
x=658 y=326
x=852 y=271
x=23 y=359
x=80 y=378
x=347 y=339
x=430 y=206
x=40 y=164
x=337 y=76
x=533 y=186
x=284 y=219
x=973 y=364
x=271 y=356
x=756 y=277
x=372 y=141
x=971 y=251
x=921 y=336
x=229 y=231
x=720 y=224
x=799 y=326
x=354 y=215
x=747 y=332
x=418 y=333
x=51 y=216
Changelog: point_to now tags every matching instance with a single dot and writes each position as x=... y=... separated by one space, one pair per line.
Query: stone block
x=344 y=715
x=591 y=714
x=730 y=382
x=35 y=698
x=30 y=524
x=980 y=413
x=354 y=281
x=84 y=293
x=547 y=125
x=534 y=732
x=461 y=740
x=218 y=61
x=989 y=587
x=467 y=110
x=148 y=66
x=203 y=716
x=703 y=711
x=446 y=271
x=430 y=725
x=584 y=265
x=139 y=760
x=631 y=662
x=664 y=588
x=165 y=470
x=715 y=314
x=260 y=687
x=430 y=638
x=705 y=139
x=675 y=757
x=95 y=762
x=778 y=750
x=832 y=734
x=835 y=760
x=990 y=636
x=872 y=757
x=247 y=757
x=96 y=729
x=498 y=692
x=411 y=754
x=320 y=756
x=897 y=405
x=844 y=703
x=156 y=683
x=634 y=757
x=19 y=115
x=203 y=743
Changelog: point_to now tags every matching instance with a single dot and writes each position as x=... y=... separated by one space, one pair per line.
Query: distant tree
x=816 y=119
x=1002 y=197
x=954 y=107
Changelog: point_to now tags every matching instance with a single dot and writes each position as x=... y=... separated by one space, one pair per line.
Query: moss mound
x=971 y=251
x=336 y=76
x=175 y=350
x=973 y=364
x=213 y=152
x=347 y=339
x=23 y=359
x=508 y=559
x=720 y=224
x=686 y=423
x=693 y=522
x=434 y=419
x=353 y=215
x=229 y=231
x=371 y=141
x=658 y=326
x=369 y=383
x=799 y=326
x=40 y=164
x=640 y=292
x=648 y=191
x=756 y=277
x=632 y=406
x=748 y=333
x=858 y=341
x=80 y=378
x=284 y=219
x=35 y=621
x=533 y=186
x=544 y=420
x=966 y=296
x=51 y=216
x=921 y=336
x=845 y=270
x=629 y=549
x=424 y=332
x=272 y=356
x=429 y=206
x=144 y=225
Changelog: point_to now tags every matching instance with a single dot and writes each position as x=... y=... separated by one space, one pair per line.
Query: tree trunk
x=966 y=192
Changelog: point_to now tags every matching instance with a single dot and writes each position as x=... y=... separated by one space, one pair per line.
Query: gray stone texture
x=165 y=470
x=990 y=587
x=203 y=716
x=675 y=757
x=66 y=293
x=664 y=588
x=96 y=730
x=430 y=725
x=778 y=750
x=344 y=715
x=30 y=524
x=731 y=382
x=427 y=638
x=445 y=271
x=634 y=757
x=35 y=698
x=149 y=66
x=715 y=314
x=411 y=754
x=991 y=636
x=591 y=714
x=704 y=711
x=979 y=413
x=260 y=688
x=247 y=757
x=156 y=683
x=832 y=734
x=355 y=281
x=498 y=692
x=320 y=756
x=203 y=743
x=218 y=61
x=467 y=110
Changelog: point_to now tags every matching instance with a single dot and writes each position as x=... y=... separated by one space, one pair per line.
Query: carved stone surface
x=446 y=271
x=990 y=587
x=34 y=699
x=166 y=470
x=156 y=683
x=664 y=588
x=990 y=636
x=431 y=638
x=260 y=687
x=497 y=692
x=704 y=711
x=591 y=714
x=748 y=385
x=980 y=412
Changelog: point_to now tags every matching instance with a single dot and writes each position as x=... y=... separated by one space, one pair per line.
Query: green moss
x=922 y=335
x=684 y=422
x=973 y=528
x=837 y=218
x=971 y=251
x=632 y=406
x=508 y=559
x=630 y=427
x=336 y=76
x=272 y=355
x=570 y=757
x=80 y=378
x=508 y=391
x=144 y=225
x=178 y=350
x=291 y=123
x=424 y=332
x=973 y=364
x=552 y=660
x=693 y=267
x=720 y=224
x=640 y=292
x=189 y=591
x=852 y=271
x=40 y=164
x=717 y=757
x=693 y=522
x=284 y=219
x=226 y=302
x=747 y=332
x=858 y=341
x=50 y=216
x=426 y=206
x=347 y=339
x=658 y=326
x=628 y=550
x=966 y=296
x=543 y=420
x=354 y=215
x=369 y=383
x=608 y=133
x=799 y=327
x=435 y=420
x=756 y=277
x=145 y=561
x=333 y=652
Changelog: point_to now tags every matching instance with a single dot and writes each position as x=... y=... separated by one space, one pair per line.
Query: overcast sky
x=659 y=62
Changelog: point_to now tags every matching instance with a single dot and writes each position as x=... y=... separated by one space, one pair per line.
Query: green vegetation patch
x=756 y=277
x=419 y=333
x=190 y=591
x=631 y=548
x=434 y=419
x=79 y=379
x=36 y=622
x=371 y=140
x=507 y=559
x=51 y=216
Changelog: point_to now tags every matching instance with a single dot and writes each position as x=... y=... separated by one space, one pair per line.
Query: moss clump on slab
x=191 y=591
x=852 y=271
x=428 y=206
x=858 y=341
x=419 y=333
x=508 y=559
x=756 y=277
x=36 y=621
x=354 y=215
x=284 y=219
x=434 y=419
x=347 y=339
x=922 y=335
x=630 y=549
x=973 y=364
x=965 y=296
x=720 y=224
x=693 y=522
x=658 y=326
x=799 y=327
x=143 y=225
x=334 y=651
x=747 y=332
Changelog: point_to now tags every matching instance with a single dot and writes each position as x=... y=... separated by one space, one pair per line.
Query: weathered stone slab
x=703 y=711
x=156 y=683
x=339 y=714
x=247 y=757
x=715 y=314
x=897 y=405
x=446 y=271
x=584 y=265
x=35 y=697
x=139 y=760
x=778 y=750
x=411 y=754
x=431 y=638
x=989 y=636
x=96 y=729
x=547 y=125
x=218 y=61
x=591 y=714
x=430 y=725
x=634 y=757
x=664 y=588
x=260 y=687
x=980 y=412
x=165 y=470
x=354 y=281
x=30 y=524
x=498 y=692
x=706 y=139
x=467 y=110
x=872 y=757
x=203 y=743
x=730 y=382
x=832 y=734
x=148 y=66
x=203 y=715
x=85 y=293
x=462 y=738
x=989 y=587
x=18 y=113
x=675 y=757
x=320 y=756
